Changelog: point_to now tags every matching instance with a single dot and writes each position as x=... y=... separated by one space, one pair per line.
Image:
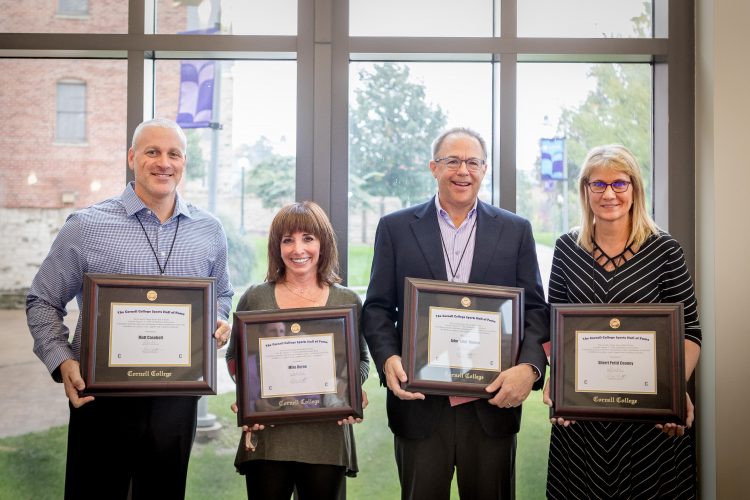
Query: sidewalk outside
x=31 y=400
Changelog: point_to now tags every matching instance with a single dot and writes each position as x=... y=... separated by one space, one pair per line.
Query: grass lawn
x=546 y=239
x=33 y=465
x=378 y=467
x=360 y=261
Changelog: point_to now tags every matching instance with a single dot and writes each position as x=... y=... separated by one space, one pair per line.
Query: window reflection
x=581 y=106
x=62 y=135
x=73 y=7
x=435 y=18
x=228 y=17
x=241 y=158
x=396 y=110
x=63 y=16
x=585 y=18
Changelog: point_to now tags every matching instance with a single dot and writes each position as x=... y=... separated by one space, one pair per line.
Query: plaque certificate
x=297 y=365
x=457 y=337
x=148 y=335
x=465 y=339
x=616 y=362
x=621 y=362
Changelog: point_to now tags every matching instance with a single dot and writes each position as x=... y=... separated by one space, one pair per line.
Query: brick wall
x=42 y=180
x=28 y=143
x=40 y=16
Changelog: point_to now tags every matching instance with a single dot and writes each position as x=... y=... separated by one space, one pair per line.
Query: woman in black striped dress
x=618 y=255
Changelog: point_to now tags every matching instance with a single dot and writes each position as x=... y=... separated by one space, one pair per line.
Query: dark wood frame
x=247 y=345
x=667 y=405
x=508 y=298
x=100 y=290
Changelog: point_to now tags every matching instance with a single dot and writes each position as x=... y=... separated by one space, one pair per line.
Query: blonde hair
x=307 y=217
x=618 y=158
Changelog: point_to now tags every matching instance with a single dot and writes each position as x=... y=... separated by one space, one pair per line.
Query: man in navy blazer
x=455 y=237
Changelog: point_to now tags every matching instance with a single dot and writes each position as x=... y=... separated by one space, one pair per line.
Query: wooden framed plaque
x=457 y=337
x=621 y=362
x=148 y=335
x=297 y=365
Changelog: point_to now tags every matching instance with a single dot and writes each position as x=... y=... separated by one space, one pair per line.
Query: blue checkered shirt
x=107 y=238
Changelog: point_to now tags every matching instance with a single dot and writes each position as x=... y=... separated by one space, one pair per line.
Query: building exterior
x=63 y=129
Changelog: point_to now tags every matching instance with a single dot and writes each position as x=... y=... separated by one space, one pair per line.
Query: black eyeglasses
x=454 y=163
x=600 y=186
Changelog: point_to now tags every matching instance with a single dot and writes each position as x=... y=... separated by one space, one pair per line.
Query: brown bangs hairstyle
x=306 y=217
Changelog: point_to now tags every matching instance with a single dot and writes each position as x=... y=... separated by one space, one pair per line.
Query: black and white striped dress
x=596 y=459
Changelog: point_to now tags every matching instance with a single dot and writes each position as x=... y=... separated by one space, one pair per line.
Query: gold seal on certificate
x=629 y=367
x=148 y=335
x=458 y=336
x=297 y=365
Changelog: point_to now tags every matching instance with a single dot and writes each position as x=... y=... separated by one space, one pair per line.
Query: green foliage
x=545 y=238
x=260 y=244
x=241 y=254
x=391 y=130
x=211 y=472
x=33 y=465
x=617 y=111
x=196 y=165
x=360 y=262
x=533 y=449
x=272 y=180
x=378 y=477
x=258 y=152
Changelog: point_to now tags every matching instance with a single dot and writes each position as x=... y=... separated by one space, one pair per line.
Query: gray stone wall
x=27 y=234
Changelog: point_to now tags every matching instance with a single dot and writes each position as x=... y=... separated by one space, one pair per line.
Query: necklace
x=301 y=295
x=162 y=270
x=617 y=262
x=447 y=257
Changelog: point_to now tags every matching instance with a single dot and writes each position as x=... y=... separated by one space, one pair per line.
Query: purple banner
x=195 y=109
x=196 y=94
x=553 y=159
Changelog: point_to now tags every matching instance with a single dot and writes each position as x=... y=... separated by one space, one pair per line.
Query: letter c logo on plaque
x=151 y=295
x=614 y=323
x=295 y=328
x=466 y=301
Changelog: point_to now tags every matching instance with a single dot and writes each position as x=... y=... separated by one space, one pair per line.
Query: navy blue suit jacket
x=407 y=244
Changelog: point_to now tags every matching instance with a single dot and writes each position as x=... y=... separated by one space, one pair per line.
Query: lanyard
x=162 y=270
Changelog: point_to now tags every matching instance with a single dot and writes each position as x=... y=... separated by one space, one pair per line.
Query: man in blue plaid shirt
x=139 y=443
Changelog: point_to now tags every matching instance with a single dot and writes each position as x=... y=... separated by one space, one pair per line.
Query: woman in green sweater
x=302 y=272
